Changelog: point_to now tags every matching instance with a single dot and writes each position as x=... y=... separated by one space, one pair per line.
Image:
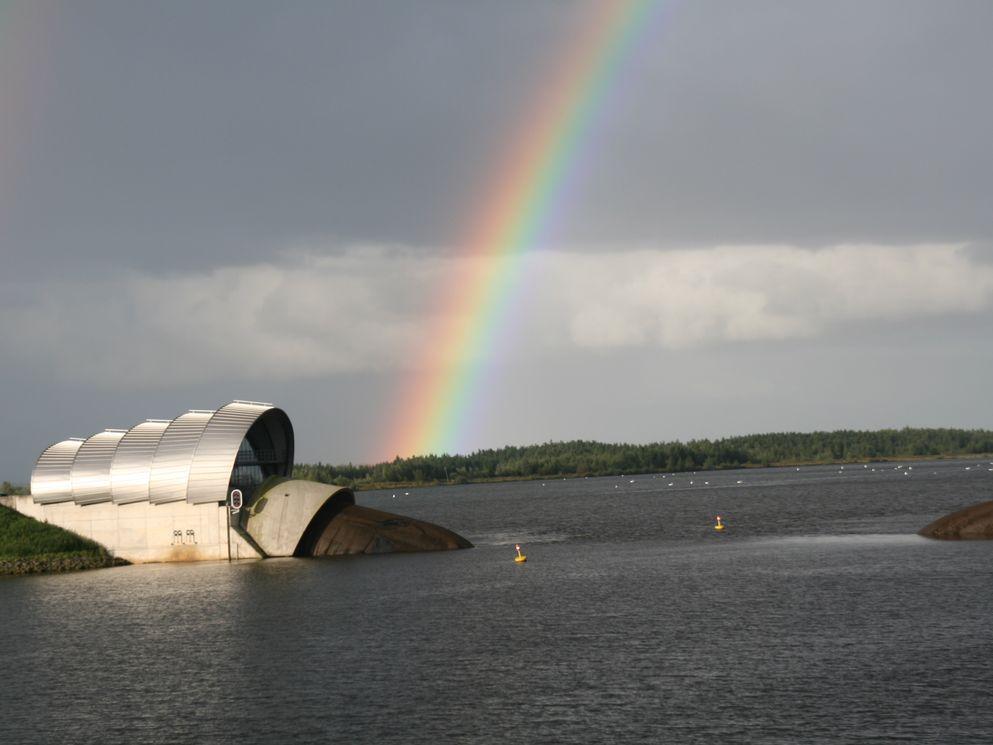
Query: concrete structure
x=335 y=525
x=272 y=519
x=159 y=491
x=146 y=532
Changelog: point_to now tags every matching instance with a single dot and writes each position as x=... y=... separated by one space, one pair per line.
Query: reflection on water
x=851 y=539
x=817 y=617
x=524 y=536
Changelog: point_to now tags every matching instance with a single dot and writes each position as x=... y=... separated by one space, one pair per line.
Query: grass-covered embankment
x=30 y=547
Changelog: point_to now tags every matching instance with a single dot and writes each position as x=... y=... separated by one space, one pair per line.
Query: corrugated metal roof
x=190 y=457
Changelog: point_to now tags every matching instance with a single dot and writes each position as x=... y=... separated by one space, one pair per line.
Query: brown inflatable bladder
x=340 y=529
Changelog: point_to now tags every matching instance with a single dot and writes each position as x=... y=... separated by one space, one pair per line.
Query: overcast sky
x=783 y=223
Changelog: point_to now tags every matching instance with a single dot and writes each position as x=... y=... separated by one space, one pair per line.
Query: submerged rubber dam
x=209 y=484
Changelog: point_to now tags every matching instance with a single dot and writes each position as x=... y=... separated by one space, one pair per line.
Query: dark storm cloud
x=808 y=123
x=189 y=134
x=181 y=135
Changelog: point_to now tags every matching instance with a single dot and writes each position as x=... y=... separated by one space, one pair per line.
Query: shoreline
x=28 y=546
x=379 y=485
x=57 y=563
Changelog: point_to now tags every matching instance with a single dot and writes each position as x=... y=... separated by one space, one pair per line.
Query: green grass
x=23 y=537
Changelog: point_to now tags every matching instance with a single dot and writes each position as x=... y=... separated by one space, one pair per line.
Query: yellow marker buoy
x=520 y=558
x=720 y=525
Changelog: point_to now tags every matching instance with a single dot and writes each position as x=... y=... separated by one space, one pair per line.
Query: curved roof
x=210 y=471
x=50 y=478
x=191 y=457
x=133 y=461
x=90 y=475
x=174 y=455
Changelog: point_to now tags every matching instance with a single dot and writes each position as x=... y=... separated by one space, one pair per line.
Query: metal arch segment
x=170 y=472
x=90 y=474
x=50 y=479
x=132 y=464
x=191 y=457
x=210 y=473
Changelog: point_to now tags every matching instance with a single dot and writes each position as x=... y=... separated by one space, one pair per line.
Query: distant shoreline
x=380 y=486
x=577 y=458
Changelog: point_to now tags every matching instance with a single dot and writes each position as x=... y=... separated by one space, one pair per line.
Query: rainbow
x=436 y=404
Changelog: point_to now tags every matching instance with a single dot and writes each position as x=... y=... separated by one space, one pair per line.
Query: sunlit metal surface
x=197 y=456
x=50 y=479
x=90 y=473
x=174 y=456
x=132 y=465
x=214 y=461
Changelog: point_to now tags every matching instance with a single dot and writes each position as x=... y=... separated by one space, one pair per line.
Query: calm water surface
x=818 y=617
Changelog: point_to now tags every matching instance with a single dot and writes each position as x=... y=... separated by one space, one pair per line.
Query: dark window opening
x=266 y=450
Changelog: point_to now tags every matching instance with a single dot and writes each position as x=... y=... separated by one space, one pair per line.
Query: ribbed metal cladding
x=132 y=465
x=50 y=479
x=90 y=473
x=215 y=456
x=174 y=456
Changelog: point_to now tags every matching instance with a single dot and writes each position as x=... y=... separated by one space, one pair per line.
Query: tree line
x=589 y=458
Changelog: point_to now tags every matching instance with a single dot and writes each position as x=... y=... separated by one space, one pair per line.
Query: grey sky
x=299 y=173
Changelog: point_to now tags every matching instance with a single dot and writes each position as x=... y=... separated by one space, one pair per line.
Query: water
x=818 y=617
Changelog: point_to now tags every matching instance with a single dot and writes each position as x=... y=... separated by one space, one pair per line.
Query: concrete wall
x=324 y=516
x=144 y=532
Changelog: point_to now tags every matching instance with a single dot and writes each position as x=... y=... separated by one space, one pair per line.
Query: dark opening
x=329 y=511
x=266 y=450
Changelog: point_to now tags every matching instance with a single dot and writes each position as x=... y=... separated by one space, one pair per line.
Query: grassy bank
x=30 y=547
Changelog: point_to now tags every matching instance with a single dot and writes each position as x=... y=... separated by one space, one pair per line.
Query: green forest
x=587 y=458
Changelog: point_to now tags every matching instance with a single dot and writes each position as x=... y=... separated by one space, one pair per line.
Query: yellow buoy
x=520 y=558
x=720 y=525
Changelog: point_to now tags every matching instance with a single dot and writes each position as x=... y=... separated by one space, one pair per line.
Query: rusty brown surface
x=361 y=530
x=972 y=522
